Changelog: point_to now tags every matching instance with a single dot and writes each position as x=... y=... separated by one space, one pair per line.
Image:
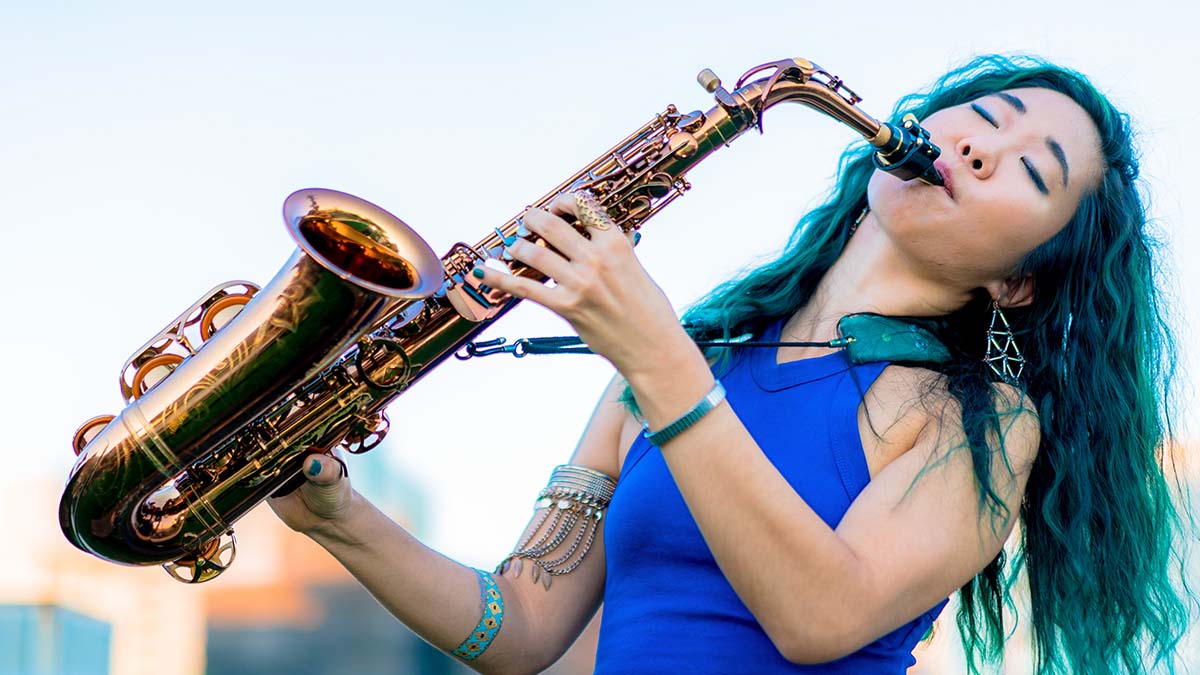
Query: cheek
x=1011 y=230
x=994 y=238
x=979 y=238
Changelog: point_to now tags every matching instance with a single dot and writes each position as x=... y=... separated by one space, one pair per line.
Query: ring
x=591 y=214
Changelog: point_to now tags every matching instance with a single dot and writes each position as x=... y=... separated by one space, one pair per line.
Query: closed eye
x=985 y=114
x=1033 y=174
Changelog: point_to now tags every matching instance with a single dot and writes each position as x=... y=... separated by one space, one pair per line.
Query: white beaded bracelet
x=706 y=404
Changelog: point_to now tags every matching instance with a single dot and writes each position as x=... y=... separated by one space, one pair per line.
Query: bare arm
x=439 y=598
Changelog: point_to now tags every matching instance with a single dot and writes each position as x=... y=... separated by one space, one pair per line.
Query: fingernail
x=314 y=468
x=506 y=256
x=522 y=231
x=478 y=272
x=637 y=236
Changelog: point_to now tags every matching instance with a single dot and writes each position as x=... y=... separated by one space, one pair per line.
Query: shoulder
x=894 y=412
x=1018 y=426
x=907 y=407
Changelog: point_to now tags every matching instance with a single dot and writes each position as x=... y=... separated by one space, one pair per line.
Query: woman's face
x=1016 y=165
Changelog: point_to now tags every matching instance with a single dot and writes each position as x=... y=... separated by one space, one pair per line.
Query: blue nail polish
x=522 y=231
x=478 y=272
x=637 y=236
x=314 y=468
x=509 y=241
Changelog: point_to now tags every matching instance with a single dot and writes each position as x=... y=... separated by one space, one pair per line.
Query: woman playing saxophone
x=791 y=510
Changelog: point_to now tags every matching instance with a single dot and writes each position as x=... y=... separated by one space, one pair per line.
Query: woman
x=817 y=518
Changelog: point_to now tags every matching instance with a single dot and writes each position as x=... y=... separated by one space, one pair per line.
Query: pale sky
x=146 y=156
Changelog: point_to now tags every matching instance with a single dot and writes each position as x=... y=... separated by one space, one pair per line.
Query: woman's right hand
x=321 y=502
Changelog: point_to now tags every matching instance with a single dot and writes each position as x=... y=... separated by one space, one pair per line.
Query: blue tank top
x=667 y=606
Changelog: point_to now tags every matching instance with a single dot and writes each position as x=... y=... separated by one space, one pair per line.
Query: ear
x=1012 y=292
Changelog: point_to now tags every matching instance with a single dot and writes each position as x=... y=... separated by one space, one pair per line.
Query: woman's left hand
x=600 y=288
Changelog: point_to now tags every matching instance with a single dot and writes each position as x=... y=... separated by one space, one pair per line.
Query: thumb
x=325 y=491
x=324 y=470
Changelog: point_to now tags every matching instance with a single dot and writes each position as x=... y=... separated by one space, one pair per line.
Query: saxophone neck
x=904 y=150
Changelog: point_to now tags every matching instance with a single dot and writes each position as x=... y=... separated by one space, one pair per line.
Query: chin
x=906 y=209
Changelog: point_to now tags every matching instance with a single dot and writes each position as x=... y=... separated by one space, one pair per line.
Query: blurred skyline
x=147 y=150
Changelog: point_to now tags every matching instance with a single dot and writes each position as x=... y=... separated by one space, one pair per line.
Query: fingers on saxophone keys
x=516 y=286
x=565 y=204
x=557 y=233
x=541 y=258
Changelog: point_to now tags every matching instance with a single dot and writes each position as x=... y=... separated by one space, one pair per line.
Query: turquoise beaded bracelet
x=489 y=624
x=706 y=404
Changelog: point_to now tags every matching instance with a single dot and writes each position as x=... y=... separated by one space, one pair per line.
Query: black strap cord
x=573 y=345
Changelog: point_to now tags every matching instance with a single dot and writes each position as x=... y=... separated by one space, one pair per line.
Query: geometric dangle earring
x=1003 y=356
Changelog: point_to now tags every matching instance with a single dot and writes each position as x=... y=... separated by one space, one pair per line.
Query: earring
x=858 y=221
x=1003 y=356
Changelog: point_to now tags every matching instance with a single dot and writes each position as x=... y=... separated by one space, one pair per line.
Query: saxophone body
x=224 y=403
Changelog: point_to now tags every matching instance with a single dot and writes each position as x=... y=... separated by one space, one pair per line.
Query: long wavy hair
x=1100 y=533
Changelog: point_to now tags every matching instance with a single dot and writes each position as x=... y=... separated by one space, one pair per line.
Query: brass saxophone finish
x=221 y=412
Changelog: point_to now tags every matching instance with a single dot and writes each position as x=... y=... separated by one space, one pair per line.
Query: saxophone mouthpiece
x=907 y=153
x=932 y=177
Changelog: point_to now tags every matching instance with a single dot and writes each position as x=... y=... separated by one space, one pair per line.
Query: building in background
x=49 y=640
x=284 y=606
x=138 y=621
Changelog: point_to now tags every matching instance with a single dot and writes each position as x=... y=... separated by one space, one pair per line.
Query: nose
x=978 y=155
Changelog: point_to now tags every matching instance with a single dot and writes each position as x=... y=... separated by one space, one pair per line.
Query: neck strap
x=866 y=338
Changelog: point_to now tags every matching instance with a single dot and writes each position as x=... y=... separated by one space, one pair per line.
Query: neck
x=871 y=275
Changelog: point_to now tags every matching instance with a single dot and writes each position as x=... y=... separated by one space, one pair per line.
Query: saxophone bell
x=362 y=243
x=211 y=397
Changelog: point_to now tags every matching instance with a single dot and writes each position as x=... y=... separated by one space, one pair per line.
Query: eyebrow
x=984 y=114
x=1012 y=100
x=1055 y=148
x=1060 y=156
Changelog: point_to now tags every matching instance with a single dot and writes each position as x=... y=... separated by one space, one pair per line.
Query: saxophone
x=226 y=401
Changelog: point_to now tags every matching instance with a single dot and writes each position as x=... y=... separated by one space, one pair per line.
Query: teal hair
x=1100 y=532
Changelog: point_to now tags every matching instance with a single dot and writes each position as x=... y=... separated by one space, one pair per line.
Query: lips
x=947 y=179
